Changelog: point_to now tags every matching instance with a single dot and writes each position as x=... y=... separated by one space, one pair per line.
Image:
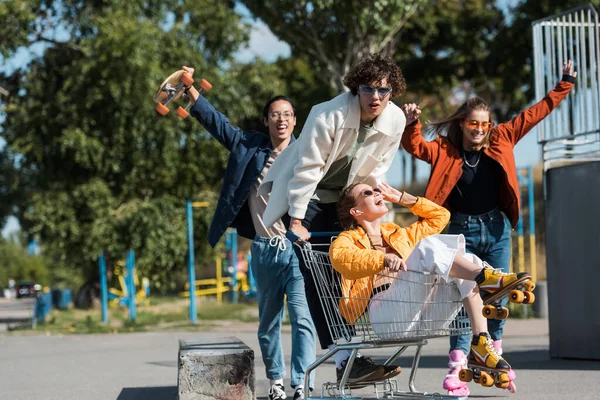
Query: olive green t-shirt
x=331 y=186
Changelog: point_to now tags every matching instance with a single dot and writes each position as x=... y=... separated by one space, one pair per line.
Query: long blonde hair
x=450 y=128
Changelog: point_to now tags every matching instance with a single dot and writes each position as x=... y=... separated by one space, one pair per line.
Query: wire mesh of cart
x=403 y=309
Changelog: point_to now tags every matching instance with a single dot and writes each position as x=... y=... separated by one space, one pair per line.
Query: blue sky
x=263 y=44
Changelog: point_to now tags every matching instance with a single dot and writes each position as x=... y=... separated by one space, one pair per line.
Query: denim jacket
x=249 y=152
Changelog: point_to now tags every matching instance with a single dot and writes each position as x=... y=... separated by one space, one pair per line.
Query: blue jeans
x=488 y=237
x=277 y=273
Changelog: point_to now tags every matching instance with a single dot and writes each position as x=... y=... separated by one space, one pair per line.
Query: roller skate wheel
x=529 y=286
x=528 y=297
x=504 y=314
x=465 y=375
x=489 y=311
x=486 y=380
x=502 y=382
x=516 y=296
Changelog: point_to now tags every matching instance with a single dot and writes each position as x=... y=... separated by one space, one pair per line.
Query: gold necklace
x=466 y=162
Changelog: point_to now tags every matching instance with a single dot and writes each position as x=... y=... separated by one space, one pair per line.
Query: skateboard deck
x=174 y=89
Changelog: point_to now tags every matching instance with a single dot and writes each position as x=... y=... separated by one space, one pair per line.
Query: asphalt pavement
x=143 y=366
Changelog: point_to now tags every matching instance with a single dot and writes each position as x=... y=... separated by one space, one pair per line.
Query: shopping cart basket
x=410 y=308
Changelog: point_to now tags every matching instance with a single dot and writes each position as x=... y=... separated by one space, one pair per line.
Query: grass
x=162 y=313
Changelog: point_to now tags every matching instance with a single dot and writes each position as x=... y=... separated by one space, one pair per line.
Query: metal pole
x=520 y=239
x=251 y=280
x=131 y=286
x=191 y=266
x=532 y=249
x=234 y=280
x=103 y=288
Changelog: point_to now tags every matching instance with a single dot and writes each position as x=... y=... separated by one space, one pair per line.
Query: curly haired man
x=352 y=138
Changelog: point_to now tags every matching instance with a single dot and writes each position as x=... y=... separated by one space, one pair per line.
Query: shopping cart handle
x=292 y=237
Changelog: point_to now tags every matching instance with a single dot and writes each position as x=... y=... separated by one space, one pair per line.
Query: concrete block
x=215 y=369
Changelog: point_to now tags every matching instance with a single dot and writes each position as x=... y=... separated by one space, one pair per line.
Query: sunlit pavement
x=144 y=365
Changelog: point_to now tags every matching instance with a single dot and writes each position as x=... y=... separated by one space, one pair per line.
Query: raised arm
x=515 y=129
x=433 y=218
x=412 y=139
x=216 y=123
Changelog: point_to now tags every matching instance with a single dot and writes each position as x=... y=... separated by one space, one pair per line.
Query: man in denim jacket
x=274 y=263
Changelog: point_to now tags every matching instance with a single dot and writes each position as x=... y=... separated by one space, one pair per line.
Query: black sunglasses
x=369 y=192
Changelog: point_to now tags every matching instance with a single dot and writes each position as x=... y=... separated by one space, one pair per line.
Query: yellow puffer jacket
x=352 y=256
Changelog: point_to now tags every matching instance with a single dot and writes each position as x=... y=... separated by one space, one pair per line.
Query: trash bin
x=43 y=305
x=61 y=298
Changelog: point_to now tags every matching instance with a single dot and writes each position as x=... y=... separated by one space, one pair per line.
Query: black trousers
x=318 y=218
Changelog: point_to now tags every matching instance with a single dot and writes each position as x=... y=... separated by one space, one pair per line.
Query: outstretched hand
x=568 y=69
x=412 y=112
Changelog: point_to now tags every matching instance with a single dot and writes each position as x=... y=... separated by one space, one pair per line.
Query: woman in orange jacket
x=368 y=250
x=473 y=174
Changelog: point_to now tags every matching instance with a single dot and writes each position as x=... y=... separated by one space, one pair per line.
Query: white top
x=330 y=130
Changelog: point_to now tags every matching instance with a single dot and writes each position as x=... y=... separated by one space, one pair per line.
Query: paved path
x=15 y=311
x=143 y=366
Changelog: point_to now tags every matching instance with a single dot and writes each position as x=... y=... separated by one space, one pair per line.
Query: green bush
x=16 y=264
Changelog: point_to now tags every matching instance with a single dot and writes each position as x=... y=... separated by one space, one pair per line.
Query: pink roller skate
x=454 y=386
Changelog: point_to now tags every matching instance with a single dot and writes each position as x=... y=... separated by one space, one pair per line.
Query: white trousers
x=424 y=300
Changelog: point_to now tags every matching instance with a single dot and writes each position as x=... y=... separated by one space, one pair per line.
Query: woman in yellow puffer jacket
x=369 y=247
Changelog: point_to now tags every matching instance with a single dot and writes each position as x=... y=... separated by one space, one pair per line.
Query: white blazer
x=330 y=130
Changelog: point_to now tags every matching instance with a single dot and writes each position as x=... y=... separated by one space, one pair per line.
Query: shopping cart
x=410 y=308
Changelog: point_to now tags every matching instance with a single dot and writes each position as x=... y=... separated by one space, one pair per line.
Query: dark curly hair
x=374 y=68
x=347 y=201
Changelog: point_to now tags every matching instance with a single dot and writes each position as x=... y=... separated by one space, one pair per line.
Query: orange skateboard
x=175 y=88
x=520 y=291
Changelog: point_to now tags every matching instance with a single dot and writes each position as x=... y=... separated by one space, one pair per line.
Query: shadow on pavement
x=533 y=359
x=149 y=393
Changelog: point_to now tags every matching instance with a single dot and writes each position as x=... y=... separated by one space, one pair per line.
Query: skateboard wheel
x=516 y=296
x=528 y=298
x=186 y=79
x=486 y=380
x=503 y=314
x=205 y=85
x=182 y=113
x=161 y=109
x=502 y=382
x=489 y=312
x=465 y=375
x=529 y=286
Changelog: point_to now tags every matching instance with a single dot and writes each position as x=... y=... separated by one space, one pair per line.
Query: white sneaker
x=299 y=394
x=277 y=392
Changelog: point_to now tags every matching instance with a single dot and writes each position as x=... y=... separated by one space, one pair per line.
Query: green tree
x=440 y=45
x=94 y=167
x=332 y=35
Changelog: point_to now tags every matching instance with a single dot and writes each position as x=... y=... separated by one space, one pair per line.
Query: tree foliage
x=332 y=35
x=92 y=167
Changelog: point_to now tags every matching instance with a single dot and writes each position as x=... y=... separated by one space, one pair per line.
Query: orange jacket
x=446 y=162
x=352 y=256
